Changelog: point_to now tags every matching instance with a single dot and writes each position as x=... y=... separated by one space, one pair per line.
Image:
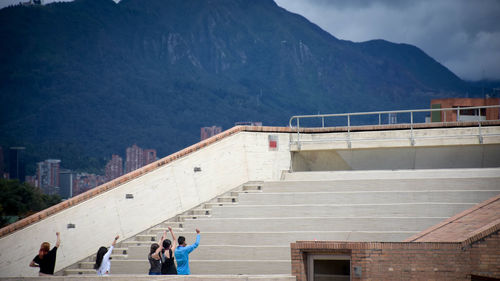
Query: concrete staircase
x=249 y=230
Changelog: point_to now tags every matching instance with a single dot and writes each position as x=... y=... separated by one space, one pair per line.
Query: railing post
x=480 y=136
x=322 y=121
x=349 y=131
x=458 y=113
x=379 y=120
x=298 y=133
x=412 y=138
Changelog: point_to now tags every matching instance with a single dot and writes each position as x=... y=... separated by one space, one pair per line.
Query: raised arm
x=114 y=241
x=174 y=241
x=58 y=241
x=156 y=254
x=190 y=248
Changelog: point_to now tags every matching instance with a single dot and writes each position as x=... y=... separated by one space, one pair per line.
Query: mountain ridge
x=103 y=76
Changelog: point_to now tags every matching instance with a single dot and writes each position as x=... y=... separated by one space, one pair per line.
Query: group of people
x=161 y=256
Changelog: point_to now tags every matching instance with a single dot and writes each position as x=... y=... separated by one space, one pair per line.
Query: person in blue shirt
x=182 y=253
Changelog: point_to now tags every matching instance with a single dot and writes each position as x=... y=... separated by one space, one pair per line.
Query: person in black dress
x=167 y=256
x=46 y=259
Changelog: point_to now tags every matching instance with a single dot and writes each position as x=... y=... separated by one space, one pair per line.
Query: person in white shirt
x=102 y=263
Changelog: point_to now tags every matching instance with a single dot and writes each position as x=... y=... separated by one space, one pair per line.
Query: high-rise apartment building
x=67 y=178
x=48 y=176
x=114 y=168
x=135 y=158
x=207 y=132
x=149 y=156
x=17 y=168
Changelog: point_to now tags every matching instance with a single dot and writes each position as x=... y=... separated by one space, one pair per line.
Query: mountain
x=92 y=77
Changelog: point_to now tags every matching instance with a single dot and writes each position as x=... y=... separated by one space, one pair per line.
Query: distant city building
x=17 y=168
x=114 y=168
x=248 y=123
x=464 y=114
x=67 y=179
x=135 y=158
x=84 y=181
x=207 y=132
x=149 y=156
x=138 y=157
x=48 y=176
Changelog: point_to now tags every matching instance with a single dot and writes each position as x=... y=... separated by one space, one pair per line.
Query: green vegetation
x=18 y=201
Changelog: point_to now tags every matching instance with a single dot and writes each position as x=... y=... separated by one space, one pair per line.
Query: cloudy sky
x=464 y=35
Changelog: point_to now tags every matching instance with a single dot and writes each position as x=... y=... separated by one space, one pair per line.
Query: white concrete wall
x=158 y=195
x=387 y=150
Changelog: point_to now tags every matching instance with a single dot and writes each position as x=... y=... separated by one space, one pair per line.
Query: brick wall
x=406 y=260
x=485 y=256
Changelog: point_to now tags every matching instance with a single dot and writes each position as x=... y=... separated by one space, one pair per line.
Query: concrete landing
x=124 y=277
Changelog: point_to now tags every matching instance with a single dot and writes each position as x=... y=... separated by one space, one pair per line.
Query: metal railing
x=442 y=117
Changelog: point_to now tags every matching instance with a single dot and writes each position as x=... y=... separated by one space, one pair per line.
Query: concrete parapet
x=399 y=174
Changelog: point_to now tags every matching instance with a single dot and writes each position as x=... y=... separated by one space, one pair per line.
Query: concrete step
x=172 y=224
x=165 y=225
x=492 y=183
x=393 y=174
x=209 y=266
x=119 y=251
x=240 y=266
x=210 y=252
x=257 y=186
x=80 y=271
x=145 y=237
x=237 y=193
x=367 y=197
x=192 y=217
x=203 y=211
x=143 y=277
x=158 y=231
x=424 y=209
x=227 y=199
x=114 y=255
x=210 y=205
x=284 y=238
x=315 y=224
x=86 y=265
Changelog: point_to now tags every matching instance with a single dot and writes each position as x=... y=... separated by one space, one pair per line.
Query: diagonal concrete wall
x=159 y=194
